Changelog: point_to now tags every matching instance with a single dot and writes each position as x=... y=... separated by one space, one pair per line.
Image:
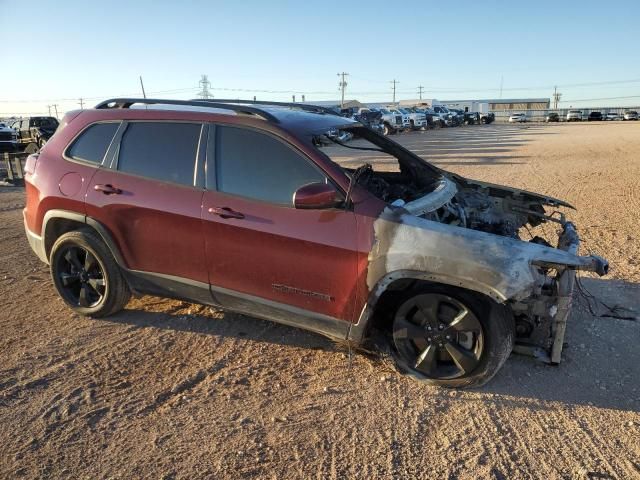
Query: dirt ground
x=169 y=390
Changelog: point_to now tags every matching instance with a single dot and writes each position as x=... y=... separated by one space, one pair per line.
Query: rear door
x=149 y=199
x=264 y=248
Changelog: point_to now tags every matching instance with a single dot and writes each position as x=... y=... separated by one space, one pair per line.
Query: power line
x=420 y=89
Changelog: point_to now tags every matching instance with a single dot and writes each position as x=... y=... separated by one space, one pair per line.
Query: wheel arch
x=398 y=281
x=59 y=222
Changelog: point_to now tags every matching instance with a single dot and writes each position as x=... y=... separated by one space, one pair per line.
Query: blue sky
x=64 y=50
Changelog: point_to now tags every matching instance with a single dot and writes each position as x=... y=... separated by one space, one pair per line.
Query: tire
x=86 y=275
x=444 y=346
x=386 y=130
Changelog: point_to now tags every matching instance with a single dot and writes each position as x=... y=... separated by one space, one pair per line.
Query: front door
x=261 y=249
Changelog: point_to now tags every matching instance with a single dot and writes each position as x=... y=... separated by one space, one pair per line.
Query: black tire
x=386 y=130
x=86 y=275
x=463 y=349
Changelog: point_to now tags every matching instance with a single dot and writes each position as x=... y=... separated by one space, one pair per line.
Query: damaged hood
x=505 y=191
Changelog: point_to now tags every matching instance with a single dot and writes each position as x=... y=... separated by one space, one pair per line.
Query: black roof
x=295 y=117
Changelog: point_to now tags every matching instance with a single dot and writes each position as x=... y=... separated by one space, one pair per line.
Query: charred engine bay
x=459 y=203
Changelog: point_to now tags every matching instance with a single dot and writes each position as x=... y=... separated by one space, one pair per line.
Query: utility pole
x=204 y=84
x=293 y=97
x=420 y=89
x=556 y=97
x=144 y=95
x=342 y=85
x=81 y=102
x=501 y=81
x=49 y=107
x=55 y=106
x=394 y=82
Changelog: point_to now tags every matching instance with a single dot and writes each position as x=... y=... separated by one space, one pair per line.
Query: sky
x=62 y=51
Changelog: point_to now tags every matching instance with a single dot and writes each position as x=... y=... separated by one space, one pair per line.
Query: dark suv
x=35 y=130
x=240 y=205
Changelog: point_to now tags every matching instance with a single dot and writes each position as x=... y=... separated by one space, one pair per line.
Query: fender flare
x=89 y=221
x=358 y=330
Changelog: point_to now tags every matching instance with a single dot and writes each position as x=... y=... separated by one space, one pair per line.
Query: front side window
x=258 y=166
x=92 y=144
x=161 y=150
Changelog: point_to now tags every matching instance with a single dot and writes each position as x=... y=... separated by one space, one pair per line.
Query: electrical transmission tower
x=420 y=89
x=342 y=85
x=204 y=85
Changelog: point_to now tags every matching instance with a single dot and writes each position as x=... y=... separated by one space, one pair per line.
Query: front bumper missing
x=564 y=284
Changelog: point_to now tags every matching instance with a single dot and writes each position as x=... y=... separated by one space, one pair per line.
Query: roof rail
x=302 y=106
x=246 y=109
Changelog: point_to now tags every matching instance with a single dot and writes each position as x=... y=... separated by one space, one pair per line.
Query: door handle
x=225 y=212
x=107 y=189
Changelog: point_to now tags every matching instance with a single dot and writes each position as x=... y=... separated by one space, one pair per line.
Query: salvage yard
x=168 y=389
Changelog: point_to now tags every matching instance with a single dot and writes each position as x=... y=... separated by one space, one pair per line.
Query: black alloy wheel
x=438 y=337
x=81 y=277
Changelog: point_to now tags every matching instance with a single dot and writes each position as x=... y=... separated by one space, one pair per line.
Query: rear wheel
x=87 y=276
x=450 y=337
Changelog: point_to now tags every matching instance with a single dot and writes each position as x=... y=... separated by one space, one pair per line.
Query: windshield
x=44 y=122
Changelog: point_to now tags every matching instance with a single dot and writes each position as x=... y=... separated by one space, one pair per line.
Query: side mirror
x=316 y=196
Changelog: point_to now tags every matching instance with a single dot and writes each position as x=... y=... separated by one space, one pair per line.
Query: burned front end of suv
x=514 y=246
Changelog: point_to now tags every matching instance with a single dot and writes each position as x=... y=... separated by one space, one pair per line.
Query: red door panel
x=303 y=258
x=156 y=225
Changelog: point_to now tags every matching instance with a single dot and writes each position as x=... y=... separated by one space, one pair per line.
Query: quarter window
x=161 y=150
x=92 y=144
x=258 y=166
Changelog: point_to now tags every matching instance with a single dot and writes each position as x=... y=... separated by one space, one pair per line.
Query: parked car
x=35 y=130
x=8 y=139
x=552 y=117
x=446 y=119
x=630 y=115
x=417 y=120
x=594 y=116
x=391 y=122
x=248 y=213
x=432 y=118
x=365 y=116
x=457 y=116
x=487 y=118
x=404 y=116
x=471 y=118
x=612 y=116
x=574 y=116
x=517 y=118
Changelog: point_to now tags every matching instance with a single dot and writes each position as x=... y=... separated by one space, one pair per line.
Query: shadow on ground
x=600 y=363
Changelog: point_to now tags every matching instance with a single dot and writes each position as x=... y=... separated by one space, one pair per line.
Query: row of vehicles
x=28 y=133
x=578 y=116
x=392 y=119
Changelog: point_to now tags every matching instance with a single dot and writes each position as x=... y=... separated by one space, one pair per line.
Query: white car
x=630 y=115
x=574 y=116
x=406 y=121
x=417 y=119
x=612 y=116
x=517 y=118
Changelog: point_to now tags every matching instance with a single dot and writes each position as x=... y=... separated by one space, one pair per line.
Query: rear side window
x=164 y=151
x=92 y=144
x=258 y=166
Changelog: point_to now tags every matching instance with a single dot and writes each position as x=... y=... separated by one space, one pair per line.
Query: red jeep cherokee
x=240 y=205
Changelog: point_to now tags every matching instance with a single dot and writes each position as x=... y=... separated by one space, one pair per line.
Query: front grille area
x=399 y=119
x=5 y=136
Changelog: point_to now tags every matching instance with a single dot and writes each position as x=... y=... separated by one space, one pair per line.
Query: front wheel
x=86 y=275
x=450 y=337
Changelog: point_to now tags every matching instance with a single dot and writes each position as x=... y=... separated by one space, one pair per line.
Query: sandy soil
x=168 y=390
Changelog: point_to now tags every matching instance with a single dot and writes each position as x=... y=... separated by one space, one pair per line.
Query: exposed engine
x=467 y=205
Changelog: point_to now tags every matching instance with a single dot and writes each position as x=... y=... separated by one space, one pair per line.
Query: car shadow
x=600 y=364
